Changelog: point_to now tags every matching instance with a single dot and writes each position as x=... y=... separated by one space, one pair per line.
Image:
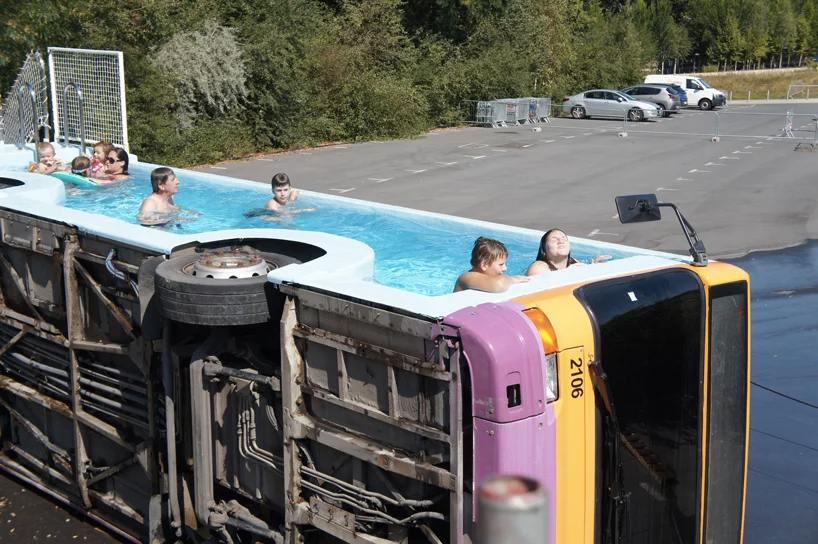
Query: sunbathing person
x=555 y=254
x=488 y=262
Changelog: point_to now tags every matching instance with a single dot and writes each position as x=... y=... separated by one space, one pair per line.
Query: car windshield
x=704 y=84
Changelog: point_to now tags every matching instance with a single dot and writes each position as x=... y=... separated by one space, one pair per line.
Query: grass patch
x=758 y=83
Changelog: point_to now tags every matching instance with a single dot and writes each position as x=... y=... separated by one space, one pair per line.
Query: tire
x=578 y=112
x=635 y=115
x=662 y=111
x=217 y=302
x=705 y=104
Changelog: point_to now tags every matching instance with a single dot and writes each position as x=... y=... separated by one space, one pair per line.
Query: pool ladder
x=68 y=86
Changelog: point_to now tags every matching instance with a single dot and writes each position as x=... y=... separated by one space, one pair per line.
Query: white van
x=699 y=93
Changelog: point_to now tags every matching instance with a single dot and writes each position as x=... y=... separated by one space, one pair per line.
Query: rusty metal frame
x=299 y=424
x=115 y=312
x=75 y=332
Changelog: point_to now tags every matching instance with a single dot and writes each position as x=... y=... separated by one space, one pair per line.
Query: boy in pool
x=158 y=208
x=47 y=161
x=283 y=193
x=488 y=262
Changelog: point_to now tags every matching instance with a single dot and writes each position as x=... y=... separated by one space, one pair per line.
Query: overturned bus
x=256 y=383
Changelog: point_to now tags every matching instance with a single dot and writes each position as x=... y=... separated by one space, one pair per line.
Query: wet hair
x=159 y=176
x=107 y=146
x=280 y=180
x=80 y=164
x=542 y=254
x=487 y=250
x=122 y=155
x=42 y=147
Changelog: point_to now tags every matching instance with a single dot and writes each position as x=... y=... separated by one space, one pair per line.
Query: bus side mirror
x=638 y=208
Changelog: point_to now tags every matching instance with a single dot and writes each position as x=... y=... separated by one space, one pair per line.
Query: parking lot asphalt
x=749 y=190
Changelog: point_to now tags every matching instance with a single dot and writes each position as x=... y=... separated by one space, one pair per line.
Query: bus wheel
x=222 y=287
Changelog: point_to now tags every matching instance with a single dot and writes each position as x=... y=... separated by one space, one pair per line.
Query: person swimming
x=555 y=254
x=488 y=264
x=158 y=208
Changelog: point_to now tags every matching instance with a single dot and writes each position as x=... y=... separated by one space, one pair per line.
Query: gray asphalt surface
x=742 y=193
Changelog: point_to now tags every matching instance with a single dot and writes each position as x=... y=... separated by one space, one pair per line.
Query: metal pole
x=749 y=93
x=35 y=112
x=807 y=93
x=170 y=430
x=512 y=510
x=65 y=115
x=718 y=122
x=768 y=94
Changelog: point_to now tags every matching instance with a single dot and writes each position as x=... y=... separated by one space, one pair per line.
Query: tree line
x=209 y=79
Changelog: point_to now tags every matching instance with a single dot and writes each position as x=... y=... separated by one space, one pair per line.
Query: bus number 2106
x=577 y=380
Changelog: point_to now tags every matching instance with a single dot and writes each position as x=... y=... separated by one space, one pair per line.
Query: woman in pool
x=116 y=167
x=555 y=254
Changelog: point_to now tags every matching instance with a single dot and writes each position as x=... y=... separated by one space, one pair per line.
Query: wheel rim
x=706 y=105
x=635 y=115
x=577 y=112
x=229 y=264
x=662 y=112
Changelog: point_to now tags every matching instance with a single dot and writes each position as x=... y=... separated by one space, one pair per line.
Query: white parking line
x=730 y=158
x=339 y=147
x=548 y=141
x=684 y=179
x=475 y=157
x=752 y=147
x=527 y=145
x=666 y=189
x=415 y=171
x=596 y=232
x=218 y=167
x=305 y=153
x=473 y=145
x=743 y=152
x=615 y=216
x=695 y=170
x=342 y=191
x=266 y=160
x=587 y=133
x=377 y=180
x=500 y=150
x=567 y=137
x=446 y=163
x=715 y=164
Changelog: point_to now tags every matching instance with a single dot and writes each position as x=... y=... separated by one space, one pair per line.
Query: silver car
x=663 y=96
x=608 y=103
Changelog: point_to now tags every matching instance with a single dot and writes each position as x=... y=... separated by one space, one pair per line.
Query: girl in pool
x=116 y=167
x=555 y=254
x=101 y=150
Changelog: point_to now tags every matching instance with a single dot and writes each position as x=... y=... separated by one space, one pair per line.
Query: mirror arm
x=697 y=249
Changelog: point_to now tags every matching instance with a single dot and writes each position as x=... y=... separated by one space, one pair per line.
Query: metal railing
x=66 y=135
x=798 y=89
x=506 y=111
x=21 y=92
x=32 y=73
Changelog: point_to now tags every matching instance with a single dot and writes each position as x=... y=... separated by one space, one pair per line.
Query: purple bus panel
x=514 y=428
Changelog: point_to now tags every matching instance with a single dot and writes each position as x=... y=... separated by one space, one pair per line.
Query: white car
x=608 y=103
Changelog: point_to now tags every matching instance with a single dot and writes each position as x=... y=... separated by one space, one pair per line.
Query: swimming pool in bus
x=415 y=252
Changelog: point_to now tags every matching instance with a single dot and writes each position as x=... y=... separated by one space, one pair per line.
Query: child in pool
x=81 y=166
x=488 y=262
x=101 y=150
x=47 y=161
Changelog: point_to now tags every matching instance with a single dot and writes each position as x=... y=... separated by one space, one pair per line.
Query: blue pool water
x=409 y=254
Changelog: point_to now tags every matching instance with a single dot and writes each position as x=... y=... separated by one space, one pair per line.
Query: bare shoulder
x=536 y=268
